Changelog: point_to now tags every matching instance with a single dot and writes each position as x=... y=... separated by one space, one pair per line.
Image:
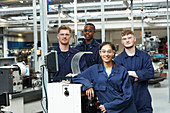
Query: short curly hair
x=91 y=25
x=127 y=32
x=64 y=27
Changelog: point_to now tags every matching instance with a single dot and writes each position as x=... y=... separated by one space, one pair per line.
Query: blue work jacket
x=94 y=58
x=64 y=64
x=113 y=91
x=140 y=63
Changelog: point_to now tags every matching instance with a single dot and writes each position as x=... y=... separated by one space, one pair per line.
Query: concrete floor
x=160 y=97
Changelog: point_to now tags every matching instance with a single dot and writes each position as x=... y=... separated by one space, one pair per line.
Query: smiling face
x=106 y=53
x=64 y=36
x=128 y=41
x=89 y=32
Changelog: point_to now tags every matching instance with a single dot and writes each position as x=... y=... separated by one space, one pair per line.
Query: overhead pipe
x=5 y=42
x=59 y=16
x=5 y=11
x=35 y=35
x=75 y=21
x=142 y=18
x=132 y=27
x=85 y=16
x=102 y=21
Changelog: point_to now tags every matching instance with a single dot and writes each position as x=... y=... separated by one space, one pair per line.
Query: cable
x=43 y=106
x=45 y=90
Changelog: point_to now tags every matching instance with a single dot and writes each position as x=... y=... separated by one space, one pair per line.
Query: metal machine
x=151 y=45
x=64 y=94
x=11 y=78
x=64 y=98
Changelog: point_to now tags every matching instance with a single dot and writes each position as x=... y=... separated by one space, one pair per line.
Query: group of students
x=121 y=83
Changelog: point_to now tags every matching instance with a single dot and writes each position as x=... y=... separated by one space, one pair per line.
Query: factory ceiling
x=18 y=14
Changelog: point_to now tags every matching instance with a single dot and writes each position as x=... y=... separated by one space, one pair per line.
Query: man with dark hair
x=139 y=66
x=90 y=44
x=65 y=54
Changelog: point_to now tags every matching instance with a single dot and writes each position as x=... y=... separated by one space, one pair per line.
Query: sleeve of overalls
x=147 y=71
x=85 y=78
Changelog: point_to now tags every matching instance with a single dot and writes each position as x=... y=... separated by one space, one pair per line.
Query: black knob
x=14 y=83
x=66 y=92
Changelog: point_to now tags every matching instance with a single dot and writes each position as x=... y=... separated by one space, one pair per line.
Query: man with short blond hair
x=65 y=54
x=139 y=66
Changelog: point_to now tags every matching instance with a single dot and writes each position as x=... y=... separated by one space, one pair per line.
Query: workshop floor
x=160 y=97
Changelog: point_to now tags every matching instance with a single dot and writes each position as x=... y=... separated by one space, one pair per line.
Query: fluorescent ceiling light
x=4 y=7
x=74 y=20
x=62 y=15
x=21 y=2
x=92 y=4
x=128 y=11
x=19 y=34
x=147 y=20
x=2 y=20
x=19 y=18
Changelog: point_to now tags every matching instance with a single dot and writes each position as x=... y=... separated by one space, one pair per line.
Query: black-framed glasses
x=88 y=30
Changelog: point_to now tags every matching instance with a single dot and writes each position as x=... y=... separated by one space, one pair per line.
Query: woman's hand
x=102 y=108
x=90 y=92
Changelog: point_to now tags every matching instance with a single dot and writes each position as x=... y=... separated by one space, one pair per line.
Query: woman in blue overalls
x=110 y=82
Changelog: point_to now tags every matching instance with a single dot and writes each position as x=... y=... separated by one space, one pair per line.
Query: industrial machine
x=64 y=94
x=11 y=78
x=64 y=98
x=4 y=100
x=151 y=45
x=17 y=81
x=11 y=74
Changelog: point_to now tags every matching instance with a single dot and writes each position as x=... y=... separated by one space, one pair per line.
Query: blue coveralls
x=114 y=91
x=65 y=63
x=91 y=59
x=140 y=63
x=94 y=58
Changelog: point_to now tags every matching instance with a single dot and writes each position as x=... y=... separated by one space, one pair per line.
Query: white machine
x=64 y=98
